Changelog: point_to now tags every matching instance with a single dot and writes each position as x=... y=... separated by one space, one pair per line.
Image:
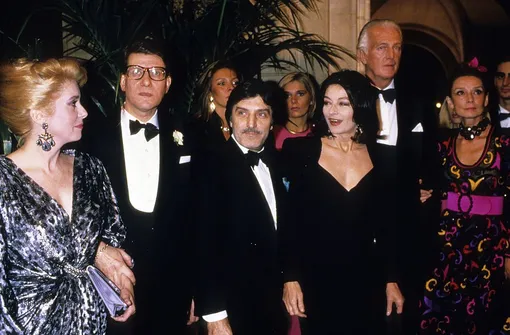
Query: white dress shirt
x=388 y=125
x=142 y=164
x=261 y=172
x=506 y=122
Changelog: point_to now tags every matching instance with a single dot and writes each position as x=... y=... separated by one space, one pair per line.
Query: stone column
x=339 y=22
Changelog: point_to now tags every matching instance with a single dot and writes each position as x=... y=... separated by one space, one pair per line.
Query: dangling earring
x=212 y=106
x=357 y=134
x=45 y=140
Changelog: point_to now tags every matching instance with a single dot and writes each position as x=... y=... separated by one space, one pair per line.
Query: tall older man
x=239 y=208
x=406 y=137
x=143 y=151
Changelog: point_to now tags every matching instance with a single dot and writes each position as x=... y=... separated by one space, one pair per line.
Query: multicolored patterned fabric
x=463 y=294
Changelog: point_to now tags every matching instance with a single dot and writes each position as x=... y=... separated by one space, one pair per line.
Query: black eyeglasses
x=136 y=72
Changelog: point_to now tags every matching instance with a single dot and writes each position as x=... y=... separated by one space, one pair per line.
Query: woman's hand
x=127 y=295
x=116 y=265
x=394 y=296
x=293 y=299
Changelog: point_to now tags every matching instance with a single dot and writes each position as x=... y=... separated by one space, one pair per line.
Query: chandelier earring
x=357 y=133
x=212 y=106
x=45 y=140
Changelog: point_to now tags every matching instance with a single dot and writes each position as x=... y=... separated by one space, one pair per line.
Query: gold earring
x=212 y=106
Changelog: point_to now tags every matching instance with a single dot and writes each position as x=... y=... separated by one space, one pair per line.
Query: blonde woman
x=58 y=213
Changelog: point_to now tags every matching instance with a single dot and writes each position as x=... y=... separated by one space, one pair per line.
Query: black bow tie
x=503 y=116
x=253 y=158
x=389 y=95
x=150 y=130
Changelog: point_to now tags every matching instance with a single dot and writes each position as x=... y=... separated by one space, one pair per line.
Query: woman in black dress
x=338 y=211
x=212 y=127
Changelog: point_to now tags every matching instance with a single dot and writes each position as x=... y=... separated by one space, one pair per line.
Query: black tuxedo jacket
x=238 y=259
x=414 y=157
x=159 y=242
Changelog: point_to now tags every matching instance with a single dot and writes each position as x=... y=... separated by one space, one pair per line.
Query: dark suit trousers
x=153 y=316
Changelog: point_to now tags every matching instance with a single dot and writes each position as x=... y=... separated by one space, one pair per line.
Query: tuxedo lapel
x=245 y=181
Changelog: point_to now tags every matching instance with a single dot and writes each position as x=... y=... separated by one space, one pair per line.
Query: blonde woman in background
x=300 y=89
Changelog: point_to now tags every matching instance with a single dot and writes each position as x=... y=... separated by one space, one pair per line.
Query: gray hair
x=363 y=35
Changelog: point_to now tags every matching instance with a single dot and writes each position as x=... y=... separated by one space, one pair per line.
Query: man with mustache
x=500 y=110
x=407 y=139
x=146 y=157
x=240 y=207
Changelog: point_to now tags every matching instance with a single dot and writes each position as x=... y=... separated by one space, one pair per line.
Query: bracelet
x=101 y=250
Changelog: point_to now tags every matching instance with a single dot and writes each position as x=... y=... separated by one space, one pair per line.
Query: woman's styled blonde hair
x=32 y=85
x=308 y=82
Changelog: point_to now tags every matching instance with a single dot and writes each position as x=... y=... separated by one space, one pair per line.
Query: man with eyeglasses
x=145 y=154
x=500 y=110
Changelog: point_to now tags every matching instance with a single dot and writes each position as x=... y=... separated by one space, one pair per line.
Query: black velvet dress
x=336 y=244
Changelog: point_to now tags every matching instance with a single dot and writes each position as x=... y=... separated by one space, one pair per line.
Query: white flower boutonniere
x=178 y=137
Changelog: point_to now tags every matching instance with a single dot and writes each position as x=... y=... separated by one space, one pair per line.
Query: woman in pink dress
x=300 y=89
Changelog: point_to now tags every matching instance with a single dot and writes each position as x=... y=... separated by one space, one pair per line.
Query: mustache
x=251 y=130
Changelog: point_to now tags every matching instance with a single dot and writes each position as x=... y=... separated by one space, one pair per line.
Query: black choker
x=469 y=133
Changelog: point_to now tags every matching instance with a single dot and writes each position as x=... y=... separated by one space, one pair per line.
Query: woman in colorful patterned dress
x=464 y=291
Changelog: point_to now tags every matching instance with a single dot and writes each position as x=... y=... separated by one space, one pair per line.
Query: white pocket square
x=418 y=128
x=184 y=159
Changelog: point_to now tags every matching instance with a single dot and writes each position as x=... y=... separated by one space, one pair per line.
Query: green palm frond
x=254 y=34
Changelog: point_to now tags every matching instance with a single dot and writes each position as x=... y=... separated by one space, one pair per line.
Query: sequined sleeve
x=114 y=231
x=7 y=301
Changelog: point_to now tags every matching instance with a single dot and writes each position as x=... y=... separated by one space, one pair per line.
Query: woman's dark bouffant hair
x=465 y=70
x=362 y=98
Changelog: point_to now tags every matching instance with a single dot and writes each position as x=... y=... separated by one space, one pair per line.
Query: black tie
x=150 y=130
x=389 y=95
x=253 y=158
x=503 y=116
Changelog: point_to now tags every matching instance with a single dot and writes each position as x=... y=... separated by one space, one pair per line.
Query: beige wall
x=339 y=22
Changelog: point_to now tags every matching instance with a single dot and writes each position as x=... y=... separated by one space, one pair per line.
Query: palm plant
x=253 y=34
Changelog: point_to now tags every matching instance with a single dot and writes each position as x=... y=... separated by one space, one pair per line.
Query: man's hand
x=424 y=194
x=221 y=327
x=293 y=299
x=394 y=296
x=192 y=318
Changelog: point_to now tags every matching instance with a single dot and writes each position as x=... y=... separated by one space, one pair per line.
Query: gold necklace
x=297 y=132
x=225 y=129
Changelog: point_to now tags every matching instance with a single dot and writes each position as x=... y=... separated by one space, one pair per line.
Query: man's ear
x=123 y=82
x=168 y=83
x=362 y=56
